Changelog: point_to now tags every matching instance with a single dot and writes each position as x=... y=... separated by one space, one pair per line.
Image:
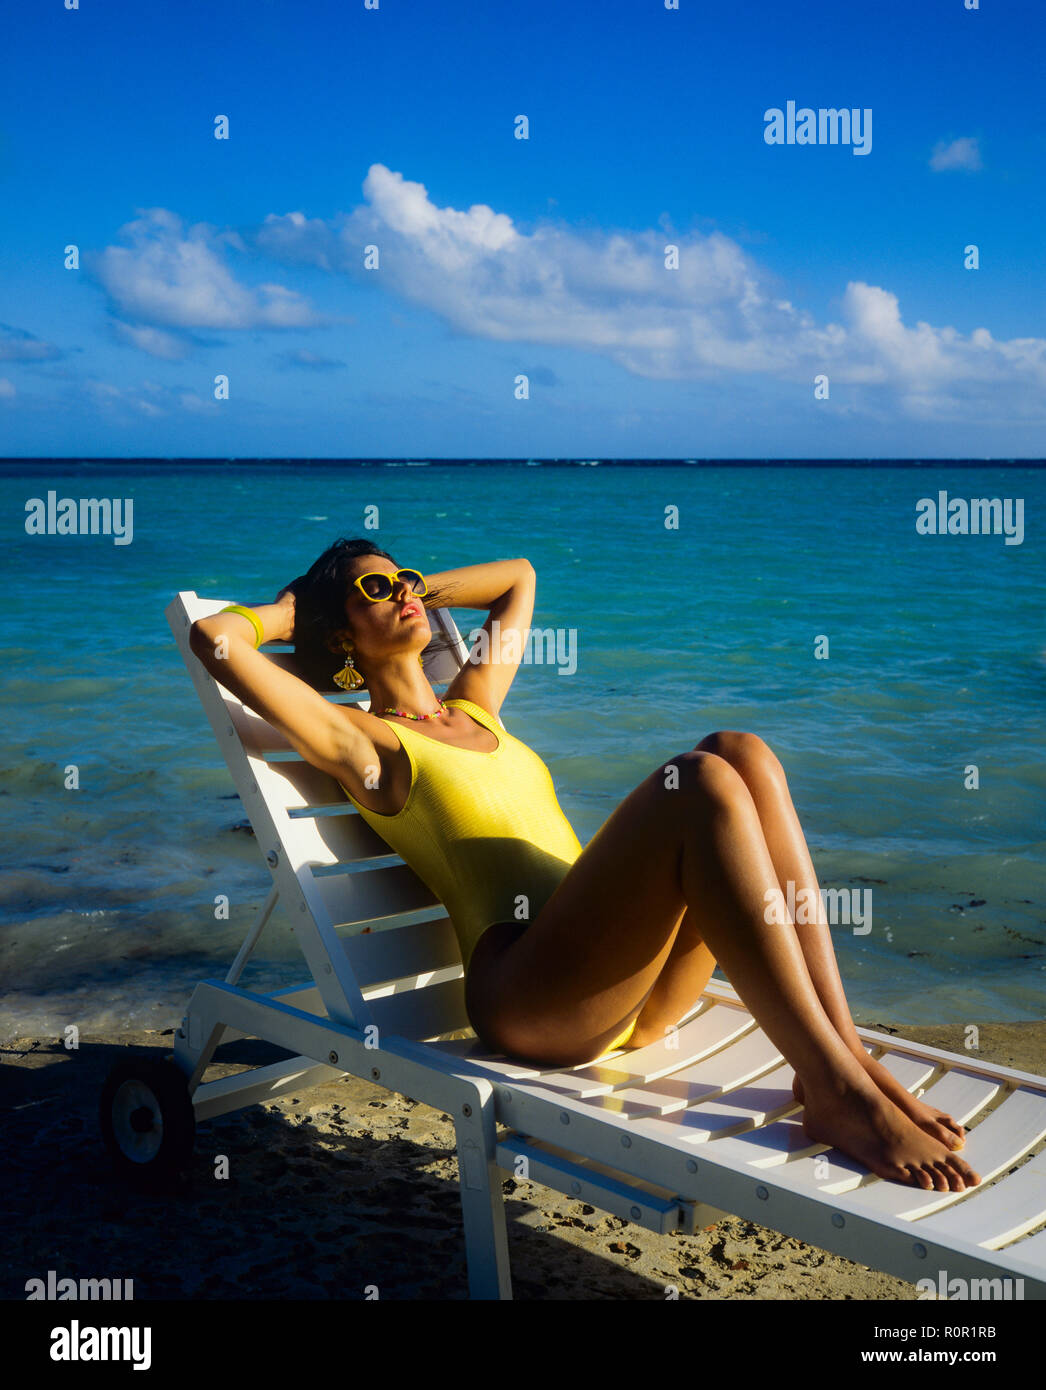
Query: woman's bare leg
x=560 y=991
x=765 y=779
x=680 y=985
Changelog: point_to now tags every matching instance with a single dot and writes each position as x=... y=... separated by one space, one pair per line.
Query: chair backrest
x=379 y=944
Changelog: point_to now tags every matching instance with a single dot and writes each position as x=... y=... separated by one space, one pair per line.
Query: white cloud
x=293 y=238
x=167 y=278
x=301 y=357
x=875 y=318
x=448 y=237
x=16 y=345
x=7 y=389
x=197 y=405
x=149 y=398
x=156 y=341
x=609 y=293
x=603 y=292
x=963 y=153
x=928 y=355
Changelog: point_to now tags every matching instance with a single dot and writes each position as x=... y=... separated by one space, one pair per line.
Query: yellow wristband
x=251 y=617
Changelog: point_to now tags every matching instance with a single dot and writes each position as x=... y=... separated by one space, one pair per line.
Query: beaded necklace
x=405 y=715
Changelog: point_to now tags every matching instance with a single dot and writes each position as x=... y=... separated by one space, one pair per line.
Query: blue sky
x=502 y=257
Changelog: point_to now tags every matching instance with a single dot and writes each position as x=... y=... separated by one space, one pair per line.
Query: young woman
x=570 y=952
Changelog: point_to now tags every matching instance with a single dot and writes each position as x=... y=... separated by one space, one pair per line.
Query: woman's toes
x=920 y=1176
x=943 y=1175
x=966 y=1174
x=952 y=1177
x=948 y=1137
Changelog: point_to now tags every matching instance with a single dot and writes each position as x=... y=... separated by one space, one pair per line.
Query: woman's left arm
x=507 y=589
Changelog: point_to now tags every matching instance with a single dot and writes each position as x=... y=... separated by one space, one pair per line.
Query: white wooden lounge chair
x=669 y=1136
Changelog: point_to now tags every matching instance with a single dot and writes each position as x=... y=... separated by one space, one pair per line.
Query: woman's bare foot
x=870 y=1128
x=937 y=1123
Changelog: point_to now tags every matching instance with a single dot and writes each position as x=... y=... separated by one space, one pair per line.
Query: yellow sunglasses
x=379 y=585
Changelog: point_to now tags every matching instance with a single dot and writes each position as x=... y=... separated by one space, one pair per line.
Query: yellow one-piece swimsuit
x=480 y=829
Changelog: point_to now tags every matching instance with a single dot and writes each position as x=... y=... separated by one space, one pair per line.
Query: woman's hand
x=285 y=600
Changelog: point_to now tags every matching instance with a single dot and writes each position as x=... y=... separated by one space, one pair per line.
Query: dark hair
x=319 y=609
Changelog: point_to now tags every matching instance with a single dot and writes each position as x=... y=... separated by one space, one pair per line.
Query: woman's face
x=389 y=625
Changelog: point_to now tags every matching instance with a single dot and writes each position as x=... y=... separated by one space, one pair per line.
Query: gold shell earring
x=349 y=677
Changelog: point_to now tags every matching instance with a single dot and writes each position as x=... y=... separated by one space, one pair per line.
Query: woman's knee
x=706 y=778
x=746 y=753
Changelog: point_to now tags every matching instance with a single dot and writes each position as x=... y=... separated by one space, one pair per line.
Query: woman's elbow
x=201 y=641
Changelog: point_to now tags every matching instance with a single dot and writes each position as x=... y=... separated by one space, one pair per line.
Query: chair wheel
x=147 y=1120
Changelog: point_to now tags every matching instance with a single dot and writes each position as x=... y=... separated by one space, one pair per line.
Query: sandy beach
x=347 y=1186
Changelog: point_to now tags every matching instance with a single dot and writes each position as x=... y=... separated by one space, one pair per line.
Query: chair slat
x=766 y=1097
x=704 y=1032
x=692 y=1086
x=296 y=784
x=698 y=1124
x=1011 y=1208
x=427 y=980
x=379 y=957
x=911 y=1072
x=498 y=1066
x=423 y=1013
x=635 y=1102
x=712 y=1029
x=729 y=1067
x=367 y=897
x=963 y=1094
x=328 y=840
x=713 y=1026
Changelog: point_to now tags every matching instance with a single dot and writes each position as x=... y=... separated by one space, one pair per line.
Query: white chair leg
x=482 y=1204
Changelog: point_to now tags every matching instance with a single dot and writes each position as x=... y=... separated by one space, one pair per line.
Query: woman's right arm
x=324 y=734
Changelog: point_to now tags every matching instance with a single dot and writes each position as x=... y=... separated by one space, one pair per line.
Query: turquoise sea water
x=936 y=661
